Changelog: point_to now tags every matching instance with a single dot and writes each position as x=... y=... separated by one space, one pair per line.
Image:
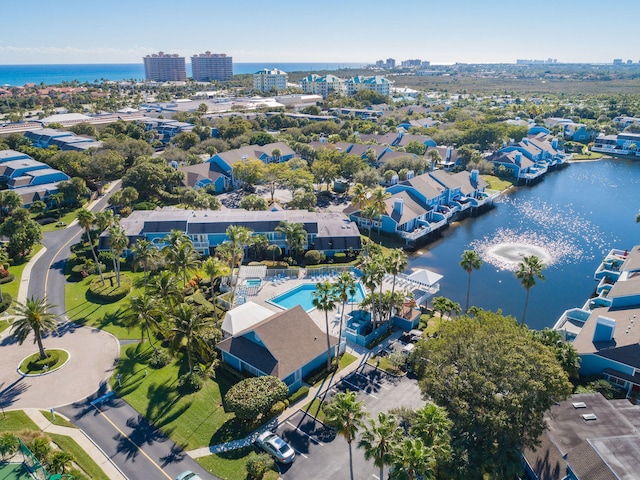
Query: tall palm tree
x=174 y=238
x=184 y=258
x=146 y=254
x=239 y=237
x=395 y=263
x=187 y=324
x=119 y=241
x=379 y=438
x=57 y=199
x=372 y=275
x=369 y=212
x=412 y=459
x=344 y=288
x=214 y=268
x=528 y=270
x=432 y=425
x=143 y=311
x=104 y=219
x=33 y=316
x=164 y=287
x=295 y=235
x=359 y=196
x=378 y=197
x=324 y=299
x=470 y=261
x=346 y=415
x=435 y=157
x=86 y=219
x=4 y=259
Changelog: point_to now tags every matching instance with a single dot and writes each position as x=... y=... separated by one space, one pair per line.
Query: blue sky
x=446 y=31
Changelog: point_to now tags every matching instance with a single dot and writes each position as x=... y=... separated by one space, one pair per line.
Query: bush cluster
x=299 y=394
x=6 y=301
x=314 y=257
x=190 y=382
x=110 y=292
x=254 y=398
x=8 y=279
x=159 y=359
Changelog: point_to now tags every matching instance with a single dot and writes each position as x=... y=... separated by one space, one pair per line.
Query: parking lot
x=323 y=454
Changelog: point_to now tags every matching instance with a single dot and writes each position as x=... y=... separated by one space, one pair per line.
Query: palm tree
x=378 y=440
x=57 y=199
x=9 y=201
x=378 y=197
x=184 y=258
x=295 y=235
x=146 y=254
x=174 y=238
x=346 y=415
x=33 y=316
x=369 y=212
x=164 y=287
x=239 y=237
x=360 y=196
x=143 y=311
x=432 y=425
x=372 y=275
x=118 y=240
x=324 y=299
x=345 y=288
x=395 y=263
x=86 y=219
x=528 y=270
x=4 y=259
x=470 y=261
x=214 y=268
x=105 y=219
x=435 y=157
x=187 y=325
x=411 y=460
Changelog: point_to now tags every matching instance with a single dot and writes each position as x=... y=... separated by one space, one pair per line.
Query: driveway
x=318 y=447
x=92 y=356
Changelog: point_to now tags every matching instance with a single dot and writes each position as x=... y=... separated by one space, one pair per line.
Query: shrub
x=159 y=359
x=6 y=301
x=313 y=257
x=144 y=206
x=230 y=372
x=110 y=292
x=190 y=382
x=8 y=444
x=299 y=394
x=277 y=409
x=255 y=264
x=40 y=363
x=258 y=465
x=340 y=257
x=40 y=447
x=106 y=258
x=8 y=279
x=254 y=397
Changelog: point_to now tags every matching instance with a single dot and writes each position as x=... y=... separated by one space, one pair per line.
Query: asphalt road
x=140 y=450
x=321 y=454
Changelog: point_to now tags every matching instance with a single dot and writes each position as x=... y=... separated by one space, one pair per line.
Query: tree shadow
x=142 y=433
x=176 y=454
x=228 y=431
x=12 y=392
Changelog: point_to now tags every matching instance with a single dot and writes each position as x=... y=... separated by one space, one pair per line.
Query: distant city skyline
x=351 y=31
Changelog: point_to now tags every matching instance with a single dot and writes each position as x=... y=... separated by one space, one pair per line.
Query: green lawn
x=587 y=156
x=58 y=420
x=496 y=183
x=106 y=316
x=67 y=217
x=13 y=287
x=192 y=421
x=17 y=420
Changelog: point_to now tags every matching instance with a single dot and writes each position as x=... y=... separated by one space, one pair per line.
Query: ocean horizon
x=53 y=74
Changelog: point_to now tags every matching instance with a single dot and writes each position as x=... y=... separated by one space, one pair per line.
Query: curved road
x=136 y=447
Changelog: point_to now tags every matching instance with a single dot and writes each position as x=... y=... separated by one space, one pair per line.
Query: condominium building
x=322 y=85
x=376 y=83
x=165 y=67
x=266 y=80
x=209 y=66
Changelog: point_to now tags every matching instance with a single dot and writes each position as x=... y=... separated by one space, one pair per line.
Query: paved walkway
x=96 y=454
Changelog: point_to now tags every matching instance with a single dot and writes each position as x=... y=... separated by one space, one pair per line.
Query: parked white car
x=276 y=447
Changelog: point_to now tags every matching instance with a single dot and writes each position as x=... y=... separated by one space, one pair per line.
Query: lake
x=571 y=219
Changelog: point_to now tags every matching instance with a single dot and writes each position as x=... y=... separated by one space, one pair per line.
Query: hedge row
x=8 y=279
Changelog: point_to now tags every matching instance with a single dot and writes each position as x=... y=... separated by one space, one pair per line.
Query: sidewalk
x=96 y=454
x=361 y=354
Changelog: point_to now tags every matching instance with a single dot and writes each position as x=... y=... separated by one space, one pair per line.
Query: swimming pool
x=303 y=295
x=252 y=282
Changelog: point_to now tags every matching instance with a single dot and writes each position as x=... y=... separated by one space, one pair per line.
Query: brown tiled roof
x=290 y=339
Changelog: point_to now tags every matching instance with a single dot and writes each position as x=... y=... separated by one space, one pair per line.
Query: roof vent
x=589 y=416
x=579 y=405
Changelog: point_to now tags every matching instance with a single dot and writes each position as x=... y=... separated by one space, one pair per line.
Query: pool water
x=253 y=282
x=303 y=295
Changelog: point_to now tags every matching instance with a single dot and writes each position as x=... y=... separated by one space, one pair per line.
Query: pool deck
x=269 y=290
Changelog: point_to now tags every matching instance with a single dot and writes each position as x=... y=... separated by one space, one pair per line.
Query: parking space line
x=306 y=434
x=382 y=385
x=300 y=453
x=360 y=389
